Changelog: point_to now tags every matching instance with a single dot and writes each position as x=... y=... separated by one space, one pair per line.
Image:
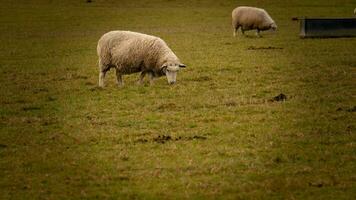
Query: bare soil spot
x=162 y=138
x=29 y=108
x=167 y=106
x=40 y=90
x=280 y=97
x=230 y=103
x=96 y=88
x=167 y=138
x=89 y=83
x=264 y=48
x=316 y=184
x=3 y=146
x=352 y=109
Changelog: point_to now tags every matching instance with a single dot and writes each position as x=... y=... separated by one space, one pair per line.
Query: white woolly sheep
x=130 y=52
x=250 y=18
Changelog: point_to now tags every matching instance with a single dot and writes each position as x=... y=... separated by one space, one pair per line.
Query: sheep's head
x=171 y=70
x=273 y=26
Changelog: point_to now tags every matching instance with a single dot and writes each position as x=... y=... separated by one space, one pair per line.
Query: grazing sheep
x=130 y=52
x=249 y=18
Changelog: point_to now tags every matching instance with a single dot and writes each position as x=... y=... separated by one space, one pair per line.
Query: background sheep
x=249 y=18
x=131 y=52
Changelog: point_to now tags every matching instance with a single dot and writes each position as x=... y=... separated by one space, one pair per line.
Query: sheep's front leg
x=140 y=80
x=101 y=78
x=235 y=30
x=242 y=31
x=120 y=83
x=102 y=72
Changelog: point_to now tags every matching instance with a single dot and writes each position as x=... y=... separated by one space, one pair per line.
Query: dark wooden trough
x=327 y=27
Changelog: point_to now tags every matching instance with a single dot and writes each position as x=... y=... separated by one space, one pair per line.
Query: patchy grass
x=218 y=134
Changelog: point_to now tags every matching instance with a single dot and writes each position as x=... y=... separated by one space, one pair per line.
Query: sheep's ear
x=182 y=65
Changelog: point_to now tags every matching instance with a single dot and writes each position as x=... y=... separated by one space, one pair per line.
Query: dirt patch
x=280 y=97
x=3 y=146
x=96 y=88
x=141 y=140
x=353 y=109
x=29 y=108
x=316 y=184
x=264 y=48
x=167 y=106
x=89 y=83
x=230 y=103
x=161 y=139
x=277 y=160
x=40 y=90
x=196 y=137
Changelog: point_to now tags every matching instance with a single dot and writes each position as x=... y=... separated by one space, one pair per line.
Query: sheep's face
x=274 y=26
x=171 y=70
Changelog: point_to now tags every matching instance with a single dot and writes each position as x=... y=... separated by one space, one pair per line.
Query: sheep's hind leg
x=120 y=83
x=242 y=31
x=140 y=80
x=258 y=33
x=151 y=77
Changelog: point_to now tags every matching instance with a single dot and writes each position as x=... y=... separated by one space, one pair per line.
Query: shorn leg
x=101 y=78
x=140 y=80
x=235 y=30
x=102 y=72
x=120 y=83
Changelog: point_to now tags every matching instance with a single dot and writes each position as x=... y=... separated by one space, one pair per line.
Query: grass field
x=213 y=135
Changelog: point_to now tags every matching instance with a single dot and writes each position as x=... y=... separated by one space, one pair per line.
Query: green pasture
x=216 y=134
